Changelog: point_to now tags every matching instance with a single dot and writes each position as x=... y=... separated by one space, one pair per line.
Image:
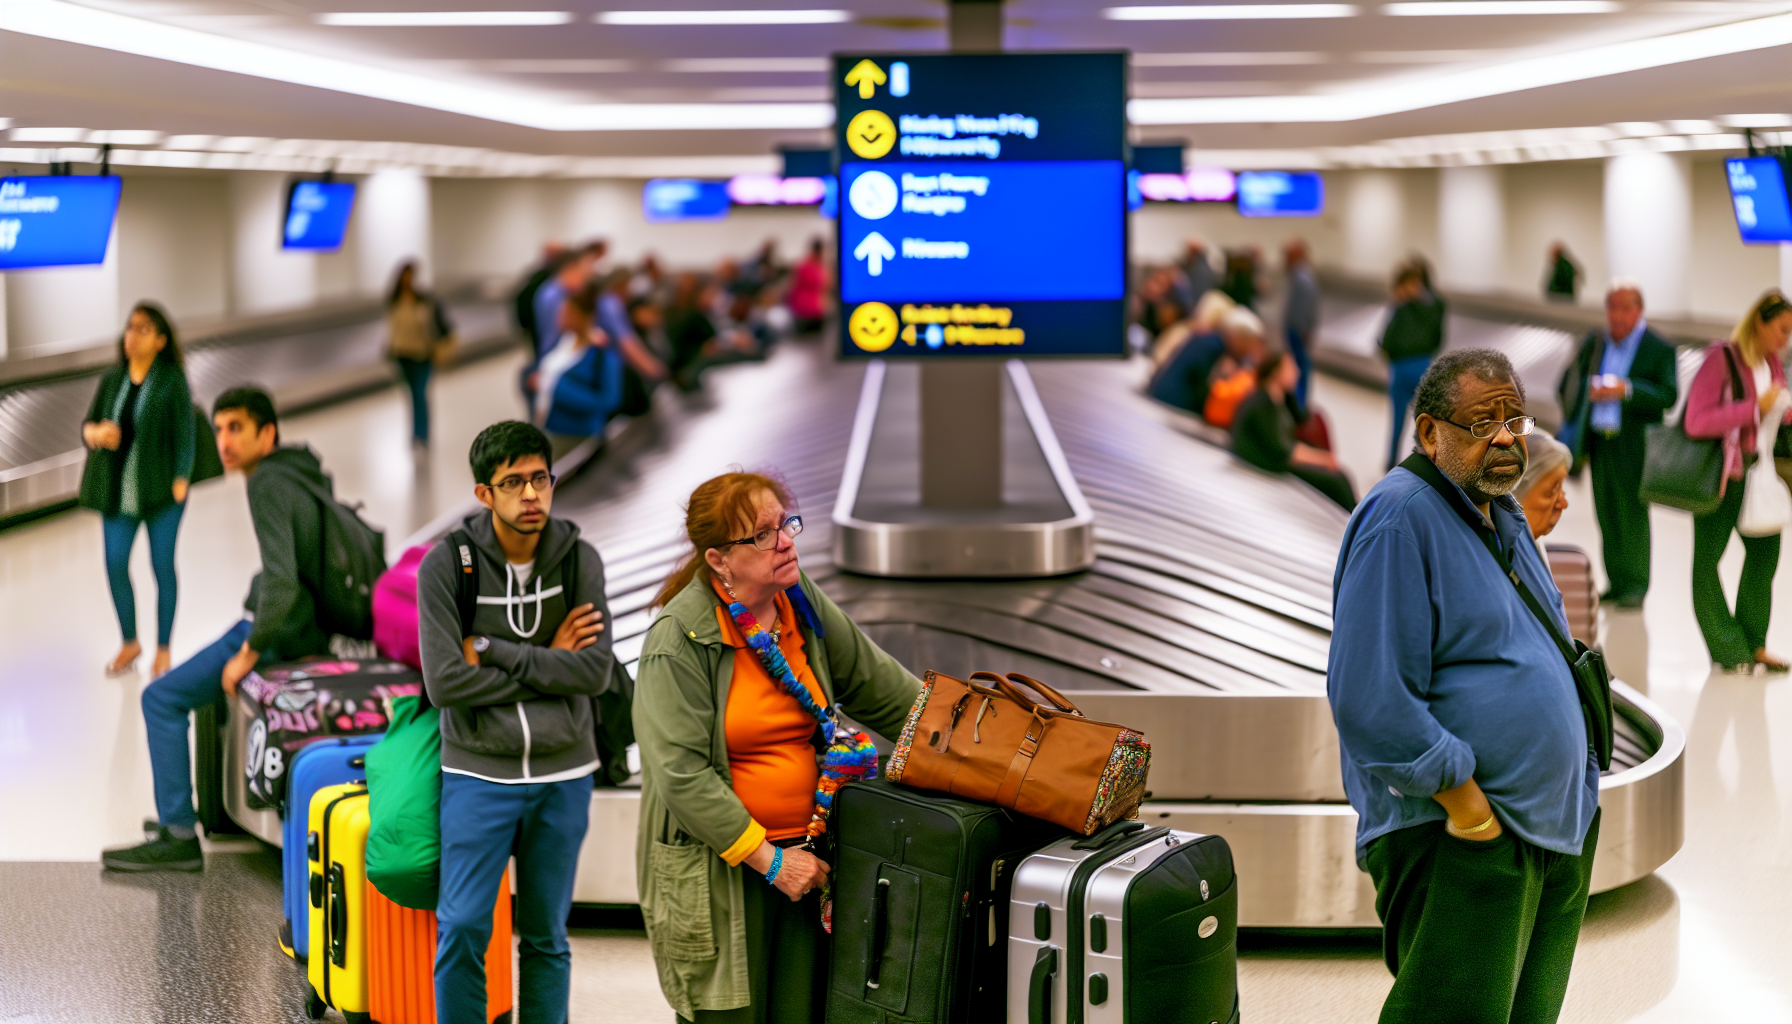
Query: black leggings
x=787 y=959
x=1732 y=637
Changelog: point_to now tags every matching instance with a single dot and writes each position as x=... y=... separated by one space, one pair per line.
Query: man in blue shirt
x=1621 y=381
x=1465 y=753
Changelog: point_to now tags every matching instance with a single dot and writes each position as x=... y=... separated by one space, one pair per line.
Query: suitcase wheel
x=314 y=1004
x=503 y=1018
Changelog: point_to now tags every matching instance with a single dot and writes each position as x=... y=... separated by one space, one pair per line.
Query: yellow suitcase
x=336 y=859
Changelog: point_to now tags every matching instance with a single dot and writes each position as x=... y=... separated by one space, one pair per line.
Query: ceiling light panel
x=1230 y=12
x=1500 y=8
x=431 y=19
x=734 y=17
x=1227 y=59
x=750 y=65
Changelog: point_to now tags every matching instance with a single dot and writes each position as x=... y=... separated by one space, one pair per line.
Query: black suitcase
x=209 y=723
x=921 y=883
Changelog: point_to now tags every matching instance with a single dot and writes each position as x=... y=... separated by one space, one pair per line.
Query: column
x=1374 y=223
x=1471 y=227
x=391 y=225
x=1648 y=225
x=265 y=278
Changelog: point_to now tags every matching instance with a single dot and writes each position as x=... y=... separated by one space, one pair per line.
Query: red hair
x=720 y=510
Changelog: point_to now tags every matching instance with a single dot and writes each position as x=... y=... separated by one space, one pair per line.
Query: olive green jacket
x=690 y=898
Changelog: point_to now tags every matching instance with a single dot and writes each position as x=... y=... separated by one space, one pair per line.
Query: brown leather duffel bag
x=987 y=739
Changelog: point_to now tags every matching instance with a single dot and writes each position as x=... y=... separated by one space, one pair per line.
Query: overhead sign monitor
x=317 y=214
x=56 y=221
x=674 y=199
x=982 y=204
x=1758 y=194
x=1281 y=193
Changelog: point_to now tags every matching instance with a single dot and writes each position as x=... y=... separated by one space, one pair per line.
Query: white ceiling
x=1265 y=83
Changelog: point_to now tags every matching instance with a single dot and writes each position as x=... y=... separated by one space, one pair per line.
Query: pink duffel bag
x=395 y=609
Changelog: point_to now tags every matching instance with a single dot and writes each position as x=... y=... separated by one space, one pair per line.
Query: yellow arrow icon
x=867 y=76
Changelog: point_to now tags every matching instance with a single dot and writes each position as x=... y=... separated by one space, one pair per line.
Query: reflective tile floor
x=1704 y=940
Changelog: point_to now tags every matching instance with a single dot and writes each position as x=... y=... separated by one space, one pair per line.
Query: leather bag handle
x=1015 y=680
x=992 y=687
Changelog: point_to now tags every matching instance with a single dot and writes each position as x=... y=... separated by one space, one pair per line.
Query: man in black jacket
x=281 y=621
x=1413 y=335
x=1620 y=382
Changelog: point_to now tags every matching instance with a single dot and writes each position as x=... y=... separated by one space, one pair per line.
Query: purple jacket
x=1713 y=412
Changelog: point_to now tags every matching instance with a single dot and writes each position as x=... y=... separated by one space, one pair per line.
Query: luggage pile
x=997 y=875
x=299 y=703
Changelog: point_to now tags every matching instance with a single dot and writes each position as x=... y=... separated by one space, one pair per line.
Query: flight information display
x=1281 y=193
x=982 y=204
x=56 y=221
x=1758 y=194
x=317 y=214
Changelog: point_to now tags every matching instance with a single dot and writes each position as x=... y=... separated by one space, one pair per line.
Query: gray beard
x=1475 y=479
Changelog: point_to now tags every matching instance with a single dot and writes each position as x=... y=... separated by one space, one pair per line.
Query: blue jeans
x=1303 y=358
x=416 y=375
x=1403 y=381
x=121 y=536
x=167 y=702
x=483 y=824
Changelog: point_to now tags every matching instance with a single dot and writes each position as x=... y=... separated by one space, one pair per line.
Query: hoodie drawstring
x=514 y=615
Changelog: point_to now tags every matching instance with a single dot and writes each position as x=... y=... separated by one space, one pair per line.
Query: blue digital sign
x=1758 y=194
x=982 y=204
x=674 y=199
x=1281 y=193
x=317 y=214
x=56 y=221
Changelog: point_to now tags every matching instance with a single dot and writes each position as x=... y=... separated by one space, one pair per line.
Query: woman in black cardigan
x=141 y=437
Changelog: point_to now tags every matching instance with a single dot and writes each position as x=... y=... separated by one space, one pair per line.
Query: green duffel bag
x=404 y=786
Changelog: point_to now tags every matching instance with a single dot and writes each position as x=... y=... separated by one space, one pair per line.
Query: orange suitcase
x=401 y=960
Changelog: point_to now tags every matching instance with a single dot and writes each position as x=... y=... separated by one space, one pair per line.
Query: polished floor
x=1703 y=940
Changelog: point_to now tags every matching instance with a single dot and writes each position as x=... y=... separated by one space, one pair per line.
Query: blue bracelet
x=771 y=877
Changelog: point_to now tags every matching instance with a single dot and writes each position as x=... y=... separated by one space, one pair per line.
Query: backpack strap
x=460 y=546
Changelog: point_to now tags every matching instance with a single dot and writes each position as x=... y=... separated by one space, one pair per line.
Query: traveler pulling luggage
x=329 y=762
x=1131 y=924
x=920 y=885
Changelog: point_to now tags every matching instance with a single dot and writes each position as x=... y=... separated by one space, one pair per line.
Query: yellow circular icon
x=870 y=134
x=872 y=327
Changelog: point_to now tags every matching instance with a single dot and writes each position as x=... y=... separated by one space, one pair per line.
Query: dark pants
x=1623 y=516
x=1477 y=932
x=1335 y=486
x=416 y=375
x=187 y=687
x=787 y=960
x=483 y=824
x=1403 y=381
x=1732 y=639
x=121 y=536
x=1303 y=358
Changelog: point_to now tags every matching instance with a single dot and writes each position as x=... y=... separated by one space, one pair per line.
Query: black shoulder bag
x=1591 y=680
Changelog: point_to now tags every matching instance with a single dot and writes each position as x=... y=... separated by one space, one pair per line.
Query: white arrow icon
x=874 y=250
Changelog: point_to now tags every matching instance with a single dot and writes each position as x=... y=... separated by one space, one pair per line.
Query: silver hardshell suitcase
x=1130 y=924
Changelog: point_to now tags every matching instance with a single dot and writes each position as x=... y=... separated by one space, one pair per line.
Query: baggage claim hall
x=915 y=511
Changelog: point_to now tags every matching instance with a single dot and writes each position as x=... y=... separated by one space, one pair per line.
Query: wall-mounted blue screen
x=56 y=221
x=672 y=199
x=317 y=214
x=1281 y=193
x=1758 y=194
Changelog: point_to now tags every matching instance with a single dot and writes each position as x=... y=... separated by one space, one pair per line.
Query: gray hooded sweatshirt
x=525 y=712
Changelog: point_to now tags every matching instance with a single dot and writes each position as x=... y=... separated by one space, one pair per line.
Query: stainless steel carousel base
x=1043 y=527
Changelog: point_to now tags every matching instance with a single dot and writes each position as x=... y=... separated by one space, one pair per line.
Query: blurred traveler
x=1620 y=383
x=523 y=304
x=1413 y=335
x=420 y=336
x=729 y=774
x=282 y=623
x=1737 y=640
x=1197 y=268
x=1564 y=275
x=1159 y=306
x=1464 y=749
x=572 y=272
x=1300 y=314
x=809 y=290
x=642 y=368
x=1185 y=379
x=579 y=384
x=1241 y=277
x=699 y=330
x=519 y=743
x=1263 y=433
x=139 y=433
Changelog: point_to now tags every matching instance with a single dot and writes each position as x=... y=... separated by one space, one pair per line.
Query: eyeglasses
x=511 y=486
x=1517 y=426
x=767 y=538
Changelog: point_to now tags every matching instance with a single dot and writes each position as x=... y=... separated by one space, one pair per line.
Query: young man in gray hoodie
x=516 y=672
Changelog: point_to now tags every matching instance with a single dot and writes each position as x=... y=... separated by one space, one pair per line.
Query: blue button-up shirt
x=1619 y=353
x=1439 y=672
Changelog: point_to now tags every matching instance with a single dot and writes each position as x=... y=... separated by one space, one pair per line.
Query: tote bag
x=1766 y=504
x=1685 y=472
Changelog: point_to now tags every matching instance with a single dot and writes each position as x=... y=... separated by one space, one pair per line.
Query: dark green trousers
x=1623 y=516
x=1477 y=932
x=787 y=959
x=1732 y=637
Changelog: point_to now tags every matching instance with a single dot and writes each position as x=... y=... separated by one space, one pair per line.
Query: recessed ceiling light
x=808 y=17
x=1227 y=58
x=49 y=135
x=1230 y=12
x=745 y=64
x=1448 y=8
x=420 y=19
x=1727 y=120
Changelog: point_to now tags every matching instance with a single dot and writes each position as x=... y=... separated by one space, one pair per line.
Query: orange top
x=768 y=732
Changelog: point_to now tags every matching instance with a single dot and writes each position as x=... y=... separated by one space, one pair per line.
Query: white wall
x=174 y=244
x=1471 y=228
x=1648 y=225
x=265 y=278
x=392 y=224
x=54 y=309
x=1555 y=202
x=1375 y=224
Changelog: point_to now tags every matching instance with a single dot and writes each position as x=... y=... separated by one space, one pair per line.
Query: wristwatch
x=481 y=644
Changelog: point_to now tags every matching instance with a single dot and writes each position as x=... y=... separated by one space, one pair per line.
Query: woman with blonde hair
x=742 y=686
x=1739 y=383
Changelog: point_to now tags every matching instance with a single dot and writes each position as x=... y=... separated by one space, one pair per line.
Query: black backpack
x=354 y=556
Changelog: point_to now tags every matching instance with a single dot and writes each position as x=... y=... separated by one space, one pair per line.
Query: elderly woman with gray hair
x=1541 y=491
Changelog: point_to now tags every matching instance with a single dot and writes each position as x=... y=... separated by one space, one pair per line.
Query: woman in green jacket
x=729 y=733
x=139 y=432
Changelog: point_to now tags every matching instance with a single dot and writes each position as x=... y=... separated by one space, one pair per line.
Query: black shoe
x=163 y=853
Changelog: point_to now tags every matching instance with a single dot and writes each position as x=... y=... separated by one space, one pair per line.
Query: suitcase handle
x=1108 y=835
x=1039 y=986
x=880 y=933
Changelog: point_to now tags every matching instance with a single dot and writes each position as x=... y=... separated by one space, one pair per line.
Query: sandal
x=121 y=666
x=1772 y=666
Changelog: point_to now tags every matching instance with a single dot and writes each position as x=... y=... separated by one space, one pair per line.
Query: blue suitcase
x=327 y=762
